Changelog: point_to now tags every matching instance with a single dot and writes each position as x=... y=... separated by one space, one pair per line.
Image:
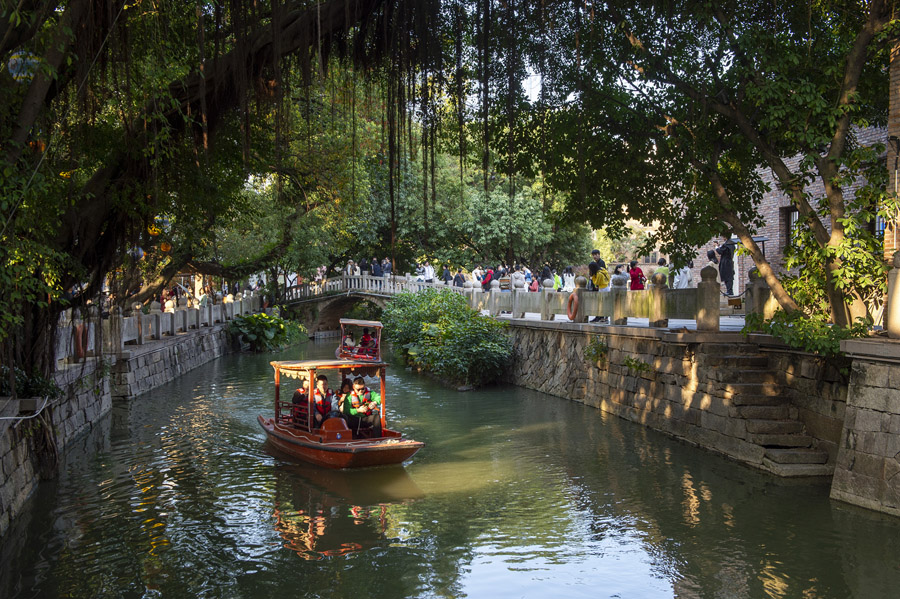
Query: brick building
x=780 y=215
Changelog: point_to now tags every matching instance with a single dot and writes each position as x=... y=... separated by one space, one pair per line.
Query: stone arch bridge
x=321 y=314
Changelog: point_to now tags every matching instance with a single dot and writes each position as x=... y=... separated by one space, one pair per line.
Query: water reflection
x=324 y=513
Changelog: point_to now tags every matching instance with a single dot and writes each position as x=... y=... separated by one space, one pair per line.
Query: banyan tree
x=120 y=119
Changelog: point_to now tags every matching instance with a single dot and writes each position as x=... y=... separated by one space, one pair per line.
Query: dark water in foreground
x=516 y=494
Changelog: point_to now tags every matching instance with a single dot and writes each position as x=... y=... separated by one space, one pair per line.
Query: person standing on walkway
x=684 y=277
x=636 y=275
x=598 y=278
x=662 y=269
x=726 y=265
x=460 y=279
x=597 y=263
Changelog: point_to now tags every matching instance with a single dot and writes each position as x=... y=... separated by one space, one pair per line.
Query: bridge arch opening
x=324 y=316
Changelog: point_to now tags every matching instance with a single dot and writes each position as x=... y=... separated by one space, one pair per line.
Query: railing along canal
x=658 y=303
x=77 y=333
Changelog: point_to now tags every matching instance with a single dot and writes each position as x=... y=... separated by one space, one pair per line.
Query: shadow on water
x=516 y=494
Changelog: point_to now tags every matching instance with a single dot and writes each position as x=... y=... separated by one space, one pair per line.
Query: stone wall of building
x=867 y=472
x=88 y=392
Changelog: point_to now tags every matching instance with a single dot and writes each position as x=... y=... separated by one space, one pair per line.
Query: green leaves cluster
x=438 y=331
x=27 y=385
x=596 y=350
x=635 y=365
x=862 y=272
x=266 y=333
x=810 y=333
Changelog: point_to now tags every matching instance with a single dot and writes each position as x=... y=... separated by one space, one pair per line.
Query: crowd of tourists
x=521 y=276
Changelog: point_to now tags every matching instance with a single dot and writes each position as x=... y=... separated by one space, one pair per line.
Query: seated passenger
x=325 y=402
x=348 y=340
x=346 y=388
x=366 y=340
x=299 y=400
x=361 y=408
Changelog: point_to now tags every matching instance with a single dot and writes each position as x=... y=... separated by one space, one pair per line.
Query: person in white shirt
x=429 y=273
x=684 y=277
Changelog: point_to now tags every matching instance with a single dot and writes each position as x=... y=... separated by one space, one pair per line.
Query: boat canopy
x=295 y=368
x=362 y=323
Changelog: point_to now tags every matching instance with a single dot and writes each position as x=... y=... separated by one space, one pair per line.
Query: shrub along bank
x=437 y=331
x=264 y=332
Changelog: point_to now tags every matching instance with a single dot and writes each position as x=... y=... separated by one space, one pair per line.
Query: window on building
x=790 y=216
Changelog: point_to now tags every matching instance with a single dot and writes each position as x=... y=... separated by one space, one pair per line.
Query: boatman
x=362 y=408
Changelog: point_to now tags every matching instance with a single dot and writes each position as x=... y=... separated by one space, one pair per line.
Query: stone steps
x=748 y=400
x=796 y=455
x=753 y=389
x=774 y=427
x=781 y=440
x=797 y=470
x=750 y=376
x=764 y=412
x=770 y=422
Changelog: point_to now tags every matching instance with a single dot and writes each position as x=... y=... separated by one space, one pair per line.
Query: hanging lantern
x=165 y=247
x=159 y=224
x=22 y=66
x=136 y=253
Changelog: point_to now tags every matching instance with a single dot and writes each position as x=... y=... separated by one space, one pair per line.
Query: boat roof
x=362 y=323
x=296 y=365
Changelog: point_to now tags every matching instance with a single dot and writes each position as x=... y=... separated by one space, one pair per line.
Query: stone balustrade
x=657 y=303
x=77 y=333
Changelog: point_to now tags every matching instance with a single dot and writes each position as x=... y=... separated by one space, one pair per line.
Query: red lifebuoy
x=572 y=305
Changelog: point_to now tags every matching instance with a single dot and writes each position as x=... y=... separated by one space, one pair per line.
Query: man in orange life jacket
x=325 y=401
x=361 y=407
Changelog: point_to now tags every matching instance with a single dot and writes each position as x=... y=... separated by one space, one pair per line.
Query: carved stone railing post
x=708 y=300
x=141 y=323
x=154 y=318
x=113 y=331
x=658 y=289
x=759 y=296
x=546 y=314
x=892 y=307
x=494 y=298
x=619 y=291
x=519 y=293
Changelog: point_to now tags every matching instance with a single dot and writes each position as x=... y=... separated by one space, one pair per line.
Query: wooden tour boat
x=333 y=444
x=352 y=344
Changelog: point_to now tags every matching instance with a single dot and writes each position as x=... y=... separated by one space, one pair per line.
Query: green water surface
x=516 y=494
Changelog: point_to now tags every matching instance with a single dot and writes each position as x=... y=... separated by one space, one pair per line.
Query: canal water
x=516 y=494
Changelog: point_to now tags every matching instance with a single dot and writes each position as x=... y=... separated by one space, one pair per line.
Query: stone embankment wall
x=771 y=409
x=868 y=463
x=148 y=366
x=88 y=392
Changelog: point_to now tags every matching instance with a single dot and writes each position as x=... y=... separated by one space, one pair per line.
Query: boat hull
x=331 y=451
